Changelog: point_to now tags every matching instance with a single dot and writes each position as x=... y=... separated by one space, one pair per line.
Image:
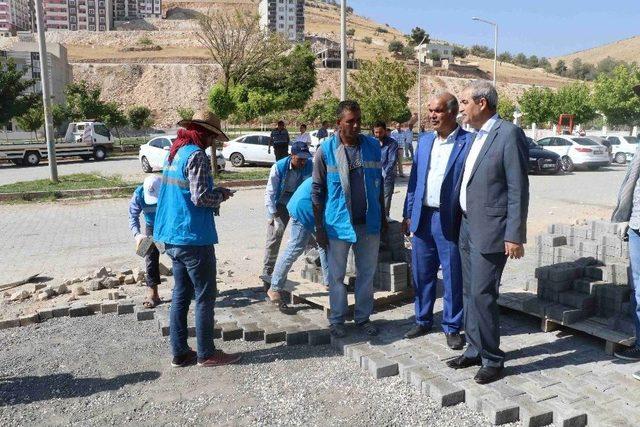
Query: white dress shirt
x=440 y=153
x=304 y=137
x=399 y=137
x=476 y=147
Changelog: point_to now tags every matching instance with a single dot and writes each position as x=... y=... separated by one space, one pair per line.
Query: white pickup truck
x=83 y=139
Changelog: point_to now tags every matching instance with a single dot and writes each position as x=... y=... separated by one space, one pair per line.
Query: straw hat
x=207 y=120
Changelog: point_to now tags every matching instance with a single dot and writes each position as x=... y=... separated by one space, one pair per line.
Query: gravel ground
x=114 y=370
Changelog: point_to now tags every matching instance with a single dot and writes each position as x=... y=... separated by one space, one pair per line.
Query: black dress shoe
x=417 y=331
x=455 y=341
x=462 y=362
x=488 y=374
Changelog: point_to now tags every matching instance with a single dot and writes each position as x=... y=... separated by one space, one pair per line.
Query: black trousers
x=152 y=261
x=281 y=151
x=481 y=274
x=389 y=185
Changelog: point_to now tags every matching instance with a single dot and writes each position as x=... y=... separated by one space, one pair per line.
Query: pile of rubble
x=582 y=271
x=394 y=264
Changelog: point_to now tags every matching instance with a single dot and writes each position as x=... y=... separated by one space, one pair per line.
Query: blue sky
x=541 y=27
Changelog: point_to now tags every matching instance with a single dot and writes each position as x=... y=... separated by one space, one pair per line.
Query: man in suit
x=494 y=197
x=432 y=213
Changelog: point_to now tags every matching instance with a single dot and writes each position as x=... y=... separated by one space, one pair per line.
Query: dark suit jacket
x=498 y=189
x=450 y=212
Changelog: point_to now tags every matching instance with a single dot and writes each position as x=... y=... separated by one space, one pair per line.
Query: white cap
x=151 y=187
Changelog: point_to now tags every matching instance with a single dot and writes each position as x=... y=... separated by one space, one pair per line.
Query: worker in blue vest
x=185 y=224
x=348 y=206
x=302 y=228
x=144 y=201
x=285 y=177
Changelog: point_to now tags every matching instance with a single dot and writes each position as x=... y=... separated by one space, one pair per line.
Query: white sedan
x=249 y=148
x=576 y=151
x=315 y=141
x=154 y=153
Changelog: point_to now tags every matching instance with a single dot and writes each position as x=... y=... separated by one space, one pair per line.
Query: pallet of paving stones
x=581 y=282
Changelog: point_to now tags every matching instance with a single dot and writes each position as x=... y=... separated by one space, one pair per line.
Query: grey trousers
x=389 y=186
x=275 y=232
x=481 y=274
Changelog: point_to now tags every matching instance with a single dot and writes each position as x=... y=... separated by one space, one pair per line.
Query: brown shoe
x=220 y=358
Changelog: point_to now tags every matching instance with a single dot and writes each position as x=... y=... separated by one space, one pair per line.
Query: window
x=613 y=140
x=631 y=139
x=264 y=140
x=252 y=139
x=544 y=142
x=101 y=130
x=74 y=27
x=160 y=143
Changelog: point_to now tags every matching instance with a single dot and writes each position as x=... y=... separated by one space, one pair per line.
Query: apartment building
x=15 y=15
x=283 y=16
x=136 y=9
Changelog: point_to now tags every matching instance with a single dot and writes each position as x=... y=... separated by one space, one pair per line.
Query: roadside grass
x=243 y=175
x=78 y=181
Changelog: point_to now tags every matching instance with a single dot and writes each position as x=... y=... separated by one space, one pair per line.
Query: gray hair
x=452 y=101
x=483 y=89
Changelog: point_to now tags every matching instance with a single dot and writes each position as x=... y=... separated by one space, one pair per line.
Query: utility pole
x=46 y=97
x=343 y=51
x=420 y=84
x=495 y=45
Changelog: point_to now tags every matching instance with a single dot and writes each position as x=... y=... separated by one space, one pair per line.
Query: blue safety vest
x=149 y=211
x=300 y=206
x=178 y=220
x=337 y=213
x=283 y=166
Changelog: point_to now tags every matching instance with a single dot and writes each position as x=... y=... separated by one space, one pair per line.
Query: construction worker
x=285 y=177
x=145 y=201
x=302 y=227
x=185 y=224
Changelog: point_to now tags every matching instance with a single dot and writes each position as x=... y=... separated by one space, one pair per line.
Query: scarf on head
x=193 y=134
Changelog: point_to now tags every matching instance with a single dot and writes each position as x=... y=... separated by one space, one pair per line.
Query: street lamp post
x=420 y=83
x=495 y=45
x=343 y=51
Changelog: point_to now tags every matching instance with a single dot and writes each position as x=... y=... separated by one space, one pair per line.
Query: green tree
x=607 y=65
x=416 y=36
x=221 y=101
x=574 y=99
x=533 y=62
x=367 y=40
x=322 y=109
x=560 y=68
x=544 y=63
x=520 y=59
x=435 y=56
x=613 y=95
x=83 y=101
x=537 y=105
x=114 y=117
x=505 y=57
x=185 y=113
x=481 y=51
x=32 y=119
x=506 y=108
x=381 y=88
x=460 y=51
x=15 y=99
x=59 y=116
x=396 y=47
x=140 y=117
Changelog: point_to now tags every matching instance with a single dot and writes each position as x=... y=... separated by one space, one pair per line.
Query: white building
x=136 y=9
x=74 y=15
x=283 y=16
x=428 y=51
x=15 y=15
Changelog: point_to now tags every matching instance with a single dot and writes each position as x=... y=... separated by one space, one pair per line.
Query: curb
x=33 y=195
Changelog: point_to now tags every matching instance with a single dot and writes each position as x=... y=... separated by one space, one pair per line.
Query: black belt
x=432 y=208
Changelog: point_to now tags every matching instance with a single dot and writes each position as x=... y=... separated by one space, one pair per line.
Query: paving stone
x=230 y=331
x=419 y=374
x=61 y=311
x=273 y=335
x=78 y=310
x=109 y=307
x=500 y=411
x=473 y=394
x=533 y=414
x=44 y=314
x=443 y=392
x=565 y=416
x=143 y=314
x=379 y=366
x=296 y=336
x=94 y=307
x=251 y=332
x=126 y=308
x=356 y=353
x=405 y=363
x=29 y=319
x=319 y=337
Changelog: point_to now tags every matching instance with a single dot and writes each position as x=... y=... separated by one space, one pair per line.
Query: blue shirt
x=322 y=133
x=389 y=149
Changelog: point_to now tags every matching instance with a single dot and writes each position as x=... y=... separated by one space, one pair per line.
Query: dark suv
x=541 y=160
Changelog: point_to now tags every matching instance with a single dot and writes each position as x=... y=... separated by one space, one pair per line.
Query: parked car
x=541 y=160
x=154 y=153
x=602 y=141
x=315 y=141
x=623 y=148
x=250 y=148
x=576 y=151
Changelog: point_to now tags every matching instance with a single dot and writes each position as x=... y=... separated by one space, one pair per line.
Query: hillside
x=625 y=50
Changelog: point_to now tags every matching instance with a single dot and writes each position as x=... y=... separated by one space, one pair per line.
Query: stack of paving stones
x=564 y=381
x=394 y=269
x=582 y=271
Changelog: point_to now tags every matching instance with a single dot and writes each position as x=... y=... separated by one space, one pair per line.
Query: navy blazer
x=450 y=212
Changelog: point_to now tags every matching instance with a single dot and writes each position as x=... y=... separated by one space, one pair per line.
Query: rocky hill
x=624 y=50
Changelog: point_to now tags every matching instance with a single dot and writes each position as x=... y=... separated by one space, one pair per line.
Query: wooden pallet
x=318 y=295
x=594 y=326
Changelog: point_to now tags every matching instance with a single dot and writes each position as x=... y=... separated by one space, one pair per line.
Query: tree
x=351 y=32
x=15 y=99
x=537 y=105
x=481 y=51
x=381 y=89
x=533 y=62
x=574 y=99
x=435 y=56
x=140 y=117
x=607 y=65
x=322 y=109
x=367 y=40
x=505 y=57
x=114 y=117
x=544 y=63
x=417 y=34
x=59 y=116
x=238 y=45
x=221 y=101
x=32 y=119
x=408 y=53
x=506 y=108
x=83 y=101
x=185 y=113
x=460 y=52
x=560 y=68
x=613 y=95
x=396 y=47
x=520 y=59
